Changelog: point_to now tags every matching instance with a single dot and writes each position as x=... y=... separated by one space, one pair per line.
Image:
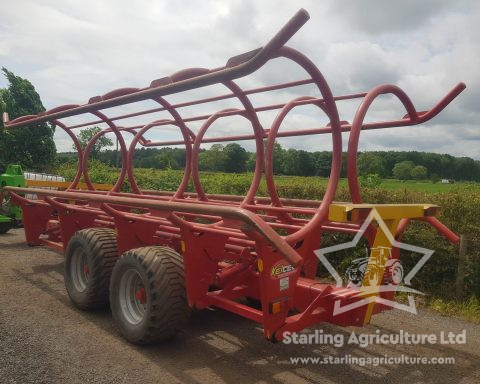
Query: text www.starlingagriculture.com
x=372 y=360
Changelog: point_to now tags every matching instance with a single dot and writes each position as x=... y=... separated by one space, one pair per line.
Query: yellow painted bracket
x=390 y=214
x=349 y=212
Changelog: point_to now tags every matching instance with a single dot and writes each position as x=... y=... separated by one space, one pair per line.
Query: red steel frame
x=230 y=243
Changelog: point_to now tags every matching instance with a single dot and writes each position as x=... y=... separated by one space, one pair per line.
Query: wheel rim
x=133 y=296
x=373 y=278
x=80 y=270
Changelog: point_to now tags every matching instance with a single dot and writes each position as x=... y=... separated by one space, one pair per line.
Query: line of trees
x=234 y=158
x=418 y=165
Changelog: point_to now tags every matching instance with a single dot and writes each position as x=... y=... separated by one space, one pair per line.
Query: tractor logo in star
x=372 y=269
x=377 y=273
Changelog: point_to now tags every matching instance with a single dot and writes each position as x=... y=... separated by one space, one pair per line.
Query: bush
x=370 y=181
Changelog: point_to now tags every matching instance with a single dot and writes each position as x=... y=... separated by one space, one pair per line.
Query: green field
x=238 y=183
x=388 y=184
x=426 y=186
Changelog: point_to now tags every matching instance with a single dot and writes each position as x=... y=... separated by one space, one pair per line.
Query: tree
x=299 y=163
x=166 y=159
x=251 y=162
x=86 y=134
x=463 y=168
x=370 y=163
x=435 y=178
x=235 y=158
x=419 y=172
x=290 y=162
x=278 y=159
x=30 y=146
x=212 y=160
x=322 y=163
x=403 y=170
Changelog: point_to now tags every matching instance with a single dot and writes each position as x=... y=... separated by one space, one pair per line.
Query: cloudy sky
x=72 y=50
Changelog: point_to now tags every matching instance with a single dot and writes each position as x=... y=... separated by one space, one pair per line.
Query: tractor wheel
x=89 y=260
x=148 y=298
x=395 y=271
x=372 y=273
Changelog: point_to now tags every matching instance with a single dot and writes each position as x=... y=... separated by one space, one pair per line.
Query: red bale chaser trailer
x=154 y=256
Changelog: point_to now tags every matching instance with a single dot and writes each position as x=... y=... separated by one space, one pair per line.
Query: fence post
x=462 y=257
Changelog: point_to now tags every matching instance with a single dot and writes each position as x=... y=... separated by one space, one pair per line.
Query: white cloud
x=74 y=50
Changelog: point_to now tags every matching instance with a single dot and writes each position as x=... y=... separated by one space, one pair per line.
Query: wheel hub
x=141 y=295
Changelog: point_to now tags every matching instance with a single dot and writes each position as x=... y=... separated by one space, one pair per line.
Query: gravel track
x=44 y=339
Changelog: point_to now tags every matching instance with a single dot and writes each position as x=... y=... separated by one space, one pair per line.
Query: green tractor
x=10 y=215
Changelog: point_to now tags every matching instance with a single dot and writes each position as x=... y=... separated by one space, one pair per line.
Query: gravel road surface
x=44 y=339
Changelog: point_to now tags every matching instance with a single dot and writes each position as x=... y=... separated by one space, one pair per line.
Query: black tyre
x=89 y=260
x=148 y=298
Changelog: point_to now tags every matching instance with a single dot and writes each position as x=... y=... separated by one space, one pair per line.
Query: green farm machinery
x=10 y=215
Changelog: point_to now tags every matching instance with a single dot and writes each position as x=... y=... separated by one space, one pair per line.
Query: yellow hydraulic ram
x=387 y=217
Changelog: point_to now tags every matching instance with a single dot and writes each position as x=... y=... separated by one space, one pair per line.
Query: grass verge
x=468 y=310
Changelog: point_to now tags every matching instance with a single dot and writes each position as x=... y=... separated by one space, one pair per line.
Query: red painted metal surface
x=232 y=245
